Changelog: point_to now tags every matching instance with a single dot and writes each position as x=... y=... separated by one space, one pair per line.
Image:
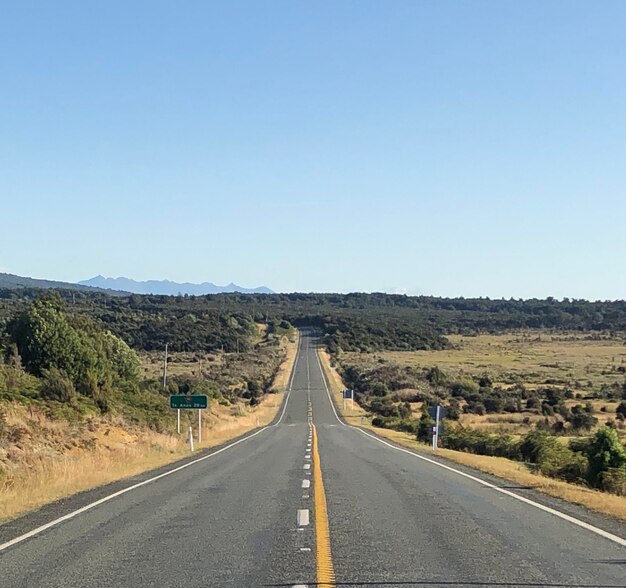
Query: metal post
x=436 y=435
x=165 y=368
x=200 y=426
x=178 y=421
x=190 y=439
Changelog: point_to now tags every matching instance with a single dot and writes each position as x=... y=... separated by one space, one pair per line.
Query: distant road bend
x=310 y=501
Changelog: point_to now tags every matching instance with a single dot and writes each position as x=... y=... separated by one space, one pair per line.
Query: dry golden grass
x=54 y=459
x=607 y=504
x=41 y=477
x=290 y=348
x=179 y=364
x=531 y=358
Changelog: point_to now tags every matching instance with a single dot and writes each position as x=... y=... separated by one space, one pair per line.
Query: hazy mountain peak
x=168 y=287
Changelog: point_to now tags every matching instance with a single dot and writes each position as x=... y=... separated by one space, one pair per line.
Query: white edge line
x=614 y=538
x=290 y=383
x=87 y=507
x=92 y=505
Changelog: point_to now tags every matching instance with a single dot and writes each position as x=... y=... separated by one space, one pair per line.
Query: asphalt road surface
x=245 y=515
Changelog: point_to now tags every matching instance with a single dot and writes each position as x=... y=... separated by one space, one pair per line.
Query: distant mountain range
x=167 y=287
x=121 y=286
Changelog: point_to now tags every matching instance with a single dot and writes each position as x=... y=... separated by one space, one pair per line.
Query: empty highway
x=311 y=501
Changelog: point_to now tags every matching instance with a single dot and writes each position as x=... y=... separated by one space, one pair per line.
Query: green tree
x=604 y=452
x=45 y=339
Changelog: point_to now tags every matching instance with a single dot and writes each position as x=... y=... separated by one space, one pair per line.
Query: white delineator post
x=436 y=430
x=200 y=426
x=190 y=439
x=178 y=421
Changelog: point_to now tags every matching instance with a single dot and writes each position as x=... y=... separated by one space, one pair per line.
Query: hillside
x=13 y=282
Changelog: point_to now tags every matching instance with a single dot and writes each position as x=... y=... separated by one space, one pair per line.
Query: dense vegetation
x=389 y=390
x=71 y=363
x=351 y=322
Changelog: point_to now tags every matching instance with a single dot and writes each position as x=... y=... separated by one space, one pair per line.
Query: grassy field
x=530 y=358
x=517 y=472
x=565 y=360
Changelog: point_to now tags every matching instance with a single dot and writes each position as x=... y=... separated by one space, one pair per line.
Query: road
x=391 y=519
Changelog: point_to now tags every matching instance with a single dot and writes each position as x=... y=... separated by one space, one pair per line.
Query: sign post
x=193 y=402
x=437 y=413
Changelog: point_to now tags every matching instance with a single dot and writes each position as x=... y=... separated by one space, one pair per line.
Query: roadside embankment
x=44 y=458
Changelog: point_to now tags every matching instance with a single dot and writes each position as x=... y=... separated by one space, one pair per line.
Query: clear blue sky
x=438 y=147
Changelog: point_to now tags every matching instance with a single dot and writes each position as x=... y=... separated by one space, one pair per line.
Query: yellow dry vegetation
x=54 y=459
x=531 y=358
x=604 y=503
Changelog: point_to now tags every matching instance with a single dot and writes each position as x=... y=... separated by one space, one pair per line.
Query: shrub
x=57 y=386
x=481 y=443
x=613 y=480
x=604 y=452
x=546 y=452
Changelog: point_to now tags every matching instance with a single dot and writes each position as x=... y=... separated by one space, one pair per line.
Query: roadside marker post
x=437 y=413
x=200 y=426
x=348 y=394
x=190 y=438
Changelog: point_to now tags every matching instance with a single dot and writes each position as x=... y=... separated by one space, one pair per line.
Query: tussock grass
x=532 y=358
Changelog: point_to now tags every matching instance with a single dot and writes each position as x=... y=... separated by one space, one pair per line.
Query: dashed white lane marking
x=307 y=466
x=305 y=549
x=308 y=456
x=306 y=483
x=305 y=496
x=557 y=513
x=302 y=517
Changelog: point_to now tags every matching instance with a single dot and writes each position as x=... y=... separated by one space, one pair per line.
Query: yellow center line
x=325 y=570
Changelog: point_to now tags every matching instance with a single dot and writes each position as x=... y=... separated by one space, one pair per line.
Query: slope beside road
x=249 y=515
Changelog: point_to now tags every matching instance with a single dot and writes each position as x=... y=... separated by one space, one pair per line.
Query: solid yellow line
x=325 y=570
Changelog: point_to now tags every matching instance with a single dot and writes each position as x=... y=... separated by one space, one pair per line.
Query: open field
x=52 y=459
x=601 y=502
x=581 y=364
x=532 y=358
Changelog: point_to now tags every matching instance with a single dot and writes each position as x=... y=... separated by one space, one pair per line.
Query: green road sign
x=189 y=401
